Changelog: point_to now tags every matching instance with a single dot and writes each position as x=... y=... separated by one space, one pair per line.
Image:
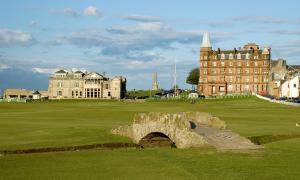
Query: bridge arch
x=174 y=126
x=154 y=139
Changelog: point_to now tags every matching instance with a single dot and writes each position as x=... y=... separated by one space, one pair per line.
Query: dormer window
x=239 y=56
x=222 y=56
x=247 y=56
x=230 y=56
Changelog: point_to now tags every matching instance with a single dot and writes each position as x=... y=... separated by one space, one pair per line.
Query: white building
x=291 y=88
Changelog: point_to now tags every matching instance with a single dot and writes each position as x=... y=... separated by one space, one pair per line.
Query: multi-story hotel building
x=236 y=71
x=76 y=85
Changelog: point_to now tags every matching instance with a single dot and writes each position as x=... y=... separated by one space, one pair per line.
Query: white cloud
x=66 y=12
x=141 y=18
x=33 y=23
x=92 y=11
x=3 y=66
x=44 y=70
x=131 y=41
x=70 y=12
x=15 y=37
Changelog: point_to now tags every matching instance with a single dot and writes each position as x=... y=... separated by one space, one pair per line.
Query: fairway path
x=224 y=139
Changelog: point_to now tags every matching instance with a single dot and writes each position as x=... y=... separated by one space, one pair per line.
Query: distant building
x=279 y=74
x=234 y=71
x=155 y=83
x=24 y=94
x=79 y=85
x=193 y=95
x=36 y=95
x=291 y=87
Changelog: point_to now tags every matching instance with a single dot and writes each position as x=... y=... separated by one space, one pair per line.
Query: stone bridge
x=178 y=127
x=185 y=130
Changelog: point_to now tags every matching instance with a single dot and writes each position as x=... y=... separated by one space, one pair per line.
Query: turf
x=62 y=123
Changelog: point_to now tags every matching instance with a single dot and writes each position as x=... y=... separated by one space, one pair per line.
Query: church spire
x=155 y=83
x=206 y=40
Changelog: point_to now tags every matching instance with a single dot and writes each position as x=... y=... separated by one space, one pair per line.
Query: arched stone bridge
x=185 y=130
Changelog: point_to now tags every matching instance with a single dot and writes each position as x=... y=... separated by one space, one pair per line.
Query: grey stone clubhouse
x=77 y=85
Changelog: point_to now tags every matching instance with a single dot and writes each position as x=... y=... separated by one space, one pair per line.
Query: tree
x=193 y=77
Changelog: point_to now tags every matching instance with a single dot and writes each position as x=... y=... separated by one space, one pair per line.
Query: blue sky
x=134 y=38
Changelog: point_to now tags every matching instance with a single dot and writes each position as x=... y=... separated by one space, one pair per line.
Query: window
x=222 y=71
x=106 y=86
x=230 y=79
x=247 y=56
x=230 y=56
x=230 y=71
x=266 y=79
x=214 y=63
x=247 y=71
x=238 y=79
x=295 y=85
x=204 y=64
x=247 y=63
x=59 y=84
x=59 y=93
x=76 y=84
x=239 y=63
x=247 y=79
x=214 y=71
x=238 y=71
x=72 y=93
x=204 y=71
x=255 y=71
x=230 y=63
x=230 y=87
x=256 y=64
x=222 y=89
x=239 y=56
x=108 y=93
x=255 y=79
x=223 y=63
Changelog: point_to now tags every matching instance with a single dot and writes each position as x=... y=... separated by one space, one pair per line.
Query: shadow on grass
x=265 y=139
x=72 y=148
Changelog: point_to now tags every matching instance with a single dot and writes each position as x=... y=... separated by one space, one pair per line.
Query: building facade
x=236 y=71
x=291 y=87
x=24 y=94
x=79 y=85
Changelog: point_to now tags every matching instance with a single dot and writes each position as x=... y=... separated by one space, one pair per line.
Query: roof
x=79 y=72
x=61 y=71
x=206 y=40
x=294 y=66
x=37 y=92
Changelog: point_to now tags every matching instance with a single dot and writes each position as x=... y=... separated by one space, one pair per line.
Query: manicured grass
x=62 y=123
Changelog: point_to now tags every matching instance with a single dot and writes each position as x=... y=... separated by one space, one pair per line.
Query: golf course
x=65 y=123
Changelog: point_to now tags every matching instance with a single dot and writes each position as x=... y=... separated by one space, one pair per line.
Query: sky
x=134 y=38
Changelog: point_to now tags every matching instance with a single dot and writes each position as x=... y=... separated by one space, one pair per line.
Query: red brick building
x=236 y=71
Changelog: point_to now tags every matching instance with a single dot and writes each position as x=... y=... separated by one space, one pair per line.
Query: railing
x=276 y=101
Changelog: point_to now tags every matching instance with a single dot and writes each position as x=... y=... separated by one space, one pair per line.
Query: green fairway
x=63 y=123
